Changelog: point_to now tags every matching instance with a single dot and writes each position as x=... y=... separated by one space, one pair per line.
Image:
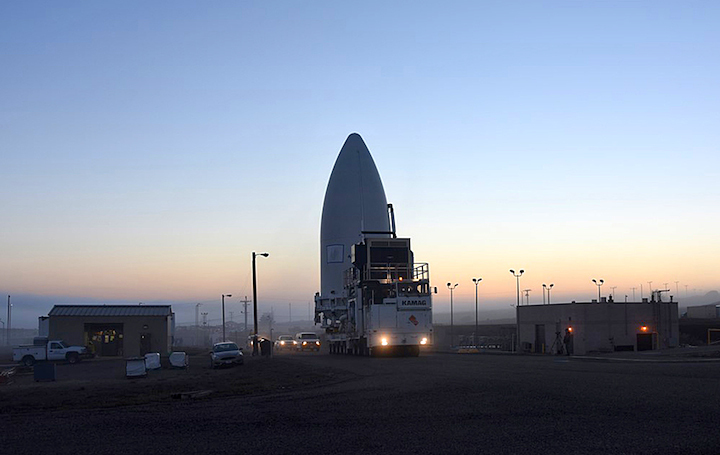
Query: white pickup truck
x=44 y=349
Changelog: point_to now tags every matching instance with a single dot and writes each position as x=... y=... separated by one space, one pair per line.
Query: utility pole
x=633 y=289
x=613 y=291
x=8 y=320
x=197 y=323
x=245 y=305
x=677 y=290
x=231 y=316
x=204 y=315
x=527 y=296
x=290 y=312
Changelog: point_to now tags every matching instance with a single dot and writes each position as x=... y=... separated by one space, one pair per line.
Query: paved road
x=432 y=404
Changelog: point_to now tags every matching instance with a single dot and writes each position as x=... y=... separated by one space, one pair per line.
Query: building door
x=644 y=341
x=539 y=337
x=145 y=343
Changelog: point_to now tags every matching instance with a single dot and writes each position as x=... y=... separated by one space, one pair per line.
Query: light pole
x=517 y=275
x=547 y=287
x=255 y=312
x=517 y=308
x=476 y=281
x=451 y=287
x=613 y=291
x=527 y=296
x=223 y=312
x=633 y=289
x=598 y=283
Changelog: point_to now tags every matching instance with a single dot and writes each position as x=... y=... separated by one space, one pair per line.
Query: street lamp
x=517 y=308
x=476 y=281
x=223 y=312
x=598 y=284
x=517 y=275
x=547 y=287
x=255 y=310
x=451 y=287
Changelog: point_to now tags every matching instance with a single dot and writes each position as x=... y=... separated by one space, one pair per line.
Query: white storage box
x=135 y=367
x=152 y=361
x=179 y=359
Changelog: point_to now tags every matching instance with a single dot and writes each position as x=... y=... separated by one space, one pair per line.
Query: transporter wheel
x=73 y=358
x=28 y=360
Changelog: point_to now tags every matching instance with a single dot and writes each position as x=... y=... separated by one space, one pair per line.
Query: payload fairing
x=354 y=203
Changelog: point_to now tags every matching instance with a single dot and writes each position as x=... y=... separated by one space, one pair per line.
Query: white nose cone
x=354 y=203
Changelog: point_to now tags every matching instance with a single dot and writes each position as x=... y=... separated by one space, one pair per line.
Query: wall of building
x=71 y=329
x=600 y=327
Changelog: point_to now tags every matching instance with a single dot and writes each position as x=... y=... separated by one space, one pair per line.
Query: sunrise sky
x=147 y=149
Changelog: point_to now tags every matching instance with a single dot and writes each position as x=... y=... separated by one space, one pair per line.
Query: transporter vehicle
x=285 y=342
x=386 y=303
x=44 y=349
x=225 y=353
x=307 y=341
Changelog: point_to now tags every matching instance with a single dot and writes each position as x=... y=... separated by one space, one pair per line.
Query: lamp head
x=512 y=271
x=522 y=271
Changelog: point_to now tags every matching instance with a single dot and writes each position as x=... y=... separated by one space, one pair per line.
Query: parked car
x=307 y=341
x=285 y=342
x=226 y=353
x=44 y=349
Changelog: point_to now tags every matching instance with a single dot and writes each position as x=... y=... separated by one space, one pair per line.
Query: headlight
x=282 y=343
x=384 y=342
x=423 y=341
x=318 y=343
x=304 y=343
x=294 y=342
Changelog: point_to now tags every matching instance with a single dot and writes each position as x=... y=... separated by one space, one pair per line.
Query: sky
x=147 y=148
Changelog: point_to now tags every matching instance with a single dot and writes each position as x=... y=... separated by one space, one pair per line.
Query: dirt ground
x=317 y=403
x=100 y=383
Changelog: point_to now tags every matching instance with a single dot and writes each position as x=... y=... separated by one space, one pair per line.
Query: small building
x=114 y=330
x=598 y=327
x=711 y=311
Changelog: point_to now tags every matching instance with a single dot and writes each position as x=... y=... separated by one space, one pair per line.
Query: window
x=335 y=254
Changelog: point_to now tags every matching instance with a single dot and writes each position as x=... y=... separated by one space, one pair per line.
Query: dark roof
x=110 y=310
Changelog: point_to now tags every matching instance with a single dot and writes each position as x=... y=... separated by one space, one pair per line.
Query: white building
x=598 y=327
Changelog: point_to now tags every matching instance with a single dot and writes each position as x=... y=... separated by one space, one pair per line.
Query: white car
x=307 y=341
x=285 y=342
x=226 y=353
